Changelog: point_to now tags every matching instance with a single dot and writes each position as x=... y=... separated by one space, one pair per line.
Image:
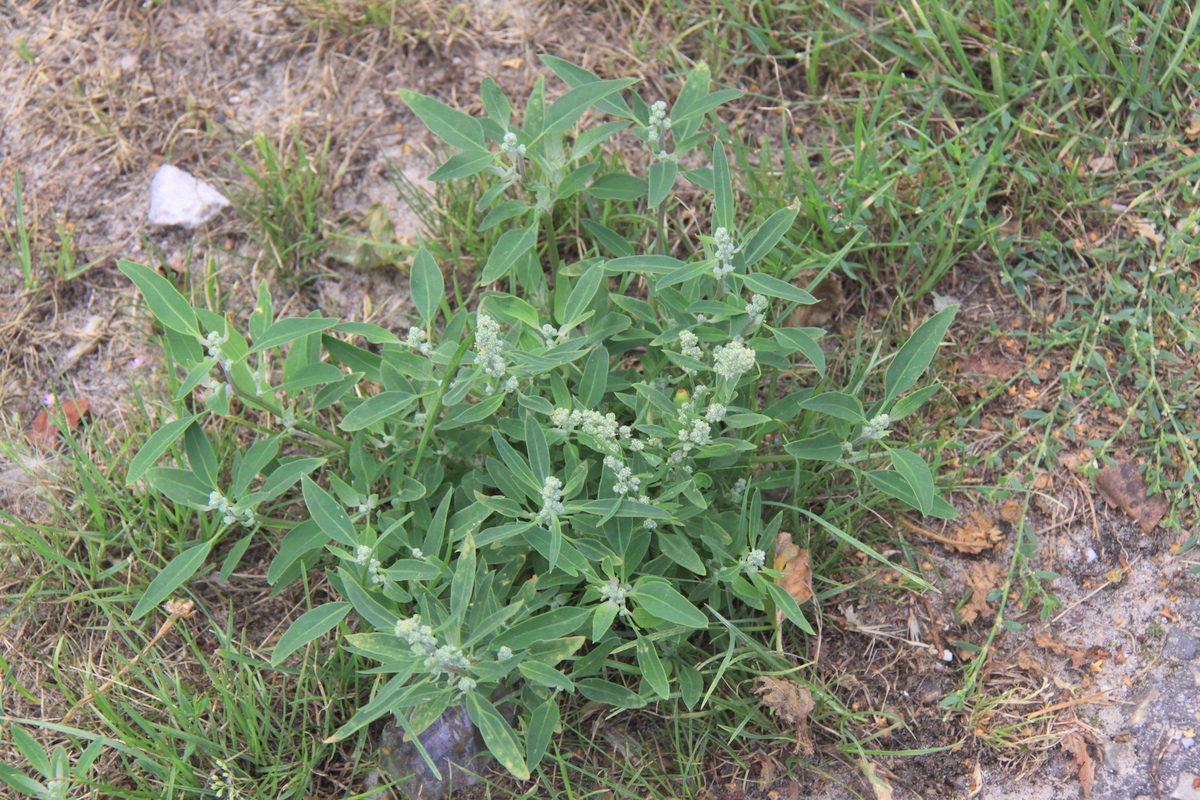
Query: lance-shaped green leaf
x=661 y=600
x=511 y=246
x=448 y=124
x=576 y=76
x=328 y=513
x=289 y=330
x=181 y=568
x=769 y=234
x=499 y=736
x=566 y=110
x=165 y=302
x=155 y=446
x=916 y=354
x=773 y=287
x=308 y=627
x=427 y=284
x=381 y=406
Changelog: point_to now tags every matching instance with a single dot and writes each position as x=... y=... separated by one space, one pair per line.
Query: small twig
x=178 y=610
x=1091 y=698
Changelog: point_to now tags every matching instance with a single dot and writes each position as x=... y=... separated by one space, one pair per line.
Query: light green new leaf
x=308 y=626
x=426 y=283
x=166 y=303
x=173 y=575
x=915 y=356
x=448 y=124
x=499 y=736
x=155 y=446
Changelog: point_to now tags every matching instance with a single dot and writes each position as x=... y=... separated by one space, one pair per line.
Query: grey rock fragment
x=451 y=741
x=1181 y=647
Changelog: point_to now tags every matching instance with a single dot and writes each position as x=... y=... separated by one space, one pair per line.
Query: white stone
x=176 y=198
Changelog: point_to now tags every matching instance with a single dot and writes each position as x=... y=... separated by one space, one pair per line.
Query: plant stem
x=552 y=244
x=436 y=408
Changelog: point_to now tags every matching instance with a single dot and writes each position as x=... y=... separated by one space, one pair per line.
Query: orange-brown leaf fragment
x=1122 y=487
x=978 y=532
x=1193 y=128
x=1147 y=230
x=879 y=783
x=1076 y=746
x=791 y=701
x=984 y=578
x=830 y=300
x=44 y=433
x=792 y=561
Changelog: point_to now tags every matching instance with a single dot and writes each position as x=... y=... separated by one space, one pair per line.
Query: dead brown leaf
x=1122 y=487
x=1193 y=128
x=1076 y=460
x=792 y=561
x=978 y=532
x=1076 y=745
x=879 y=783
x=984 y=578
x=791 y=701
x=44 y=433
x=1147 y=230
x=830 y=300
x=1011 y=511
x=1102 y=164
x=988 y=367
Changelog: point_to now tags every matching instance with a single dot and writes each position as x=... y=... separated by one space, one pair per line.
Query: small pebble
x=1090 y=555
x=1187 y=741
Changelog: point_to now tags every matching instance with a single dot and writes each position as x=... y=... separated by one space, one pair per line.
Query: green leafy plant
x=60 y=774
x=557 y=487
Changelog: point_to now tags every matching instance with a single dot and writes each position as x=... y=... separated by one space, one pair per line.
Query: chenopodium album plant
x=560 y=485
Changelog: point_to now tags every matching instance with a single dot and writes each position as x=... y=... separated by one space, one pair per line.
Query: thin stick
x=178 y=610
